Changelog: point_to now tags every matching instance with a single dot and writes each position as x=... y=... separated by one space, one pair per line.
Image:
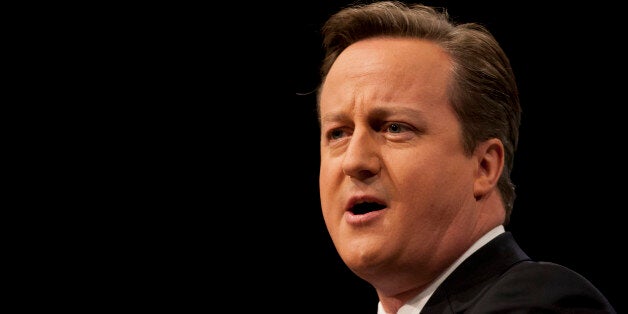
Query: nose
x=361 y=160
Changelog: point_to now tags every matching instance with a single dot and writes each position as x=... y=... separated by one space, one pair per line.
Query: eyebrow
x=379 y=113
x=383 y=112
x=334 y=116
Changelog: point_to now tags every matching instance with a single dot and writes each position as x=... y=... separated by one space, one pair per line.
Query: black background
x=569 y=165
x=214 y=170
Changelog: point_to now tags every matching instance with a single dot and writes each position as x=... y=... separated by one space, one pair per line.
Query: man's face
x=396 y=187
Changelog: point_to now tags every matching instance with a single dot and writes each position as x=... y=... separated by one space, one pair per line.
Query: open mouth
x=366 y=207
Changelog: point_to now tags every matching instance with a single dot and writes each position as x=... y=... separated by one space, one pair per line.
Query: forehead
x=387 y=70
x=404 y=52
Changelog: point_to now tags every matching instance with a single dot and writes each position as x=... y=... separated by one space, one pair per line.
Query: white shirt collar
x=415 y=305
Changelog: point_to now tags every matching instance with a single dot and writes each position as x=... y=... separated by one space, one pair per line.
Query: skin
x=389 y=135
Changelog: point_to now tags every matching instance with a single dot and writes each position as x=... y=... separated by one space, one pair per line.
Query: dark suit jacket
x=501 y=278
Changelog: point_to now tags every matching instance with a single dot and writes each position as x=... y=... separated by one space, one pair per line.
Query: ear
x=490 y=157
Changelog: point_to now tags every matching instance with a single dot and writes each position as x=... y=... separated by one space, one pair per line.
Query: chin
x=361 y=257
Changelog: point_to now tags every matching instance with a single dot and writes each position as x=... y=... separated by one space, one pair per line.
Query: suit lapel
x=475 y=274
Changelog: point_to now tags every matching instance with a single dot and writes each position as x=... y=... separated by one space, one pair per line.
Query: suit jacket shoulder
x=501 y=278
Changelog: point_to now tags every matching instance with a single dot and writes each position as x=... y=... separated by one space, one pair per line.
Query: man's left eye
x=394 y=128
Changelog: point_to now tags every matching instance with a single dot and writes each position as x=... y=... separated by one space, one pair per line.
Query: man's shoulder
x=501 y=278
x=543 y=274
x=544 y=287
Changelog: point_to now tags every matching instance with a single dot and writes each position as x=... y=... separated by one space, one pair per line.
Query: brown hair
x=483 y=91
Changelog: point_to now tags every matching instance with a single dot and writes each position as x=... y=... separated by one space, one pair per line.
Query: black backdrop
x=222 y=159
x=568 y=168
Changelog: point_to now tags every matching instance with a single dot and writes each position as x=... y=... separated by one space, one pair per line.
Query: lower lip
x=362 y=219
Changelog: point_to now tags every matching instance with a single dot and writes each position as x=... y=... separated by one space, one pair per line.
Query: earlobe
x=490 y=158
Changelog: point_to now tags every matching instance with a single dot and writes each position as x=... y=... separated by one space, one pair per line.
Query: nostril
x=360 y=174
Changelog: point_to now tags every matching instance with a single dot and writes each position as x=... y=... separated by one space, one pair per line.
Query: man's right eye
x=336 y=134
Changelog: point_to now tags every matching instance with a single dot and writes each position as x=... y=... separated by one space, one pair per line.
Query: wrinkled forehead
x=381 y=71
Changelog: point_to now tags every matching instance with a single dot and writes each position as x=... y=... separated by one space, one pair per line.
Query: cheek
x=428 y=180
x=327 y=184
x=438 y=192
x=328 y=204
x=323 y=177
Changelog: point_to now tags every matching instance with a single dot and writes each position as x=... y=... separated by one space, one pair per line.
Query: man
x=419 y=124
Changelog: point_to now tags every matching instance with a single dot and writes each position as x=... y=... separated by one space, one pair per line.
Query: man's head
x=419 y=125
x=483 y=90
